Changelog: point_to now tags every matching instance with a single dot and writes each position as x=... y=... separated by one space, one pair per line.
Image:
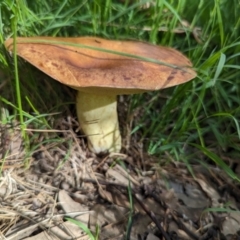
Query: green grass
x=92 y=236
x=195 y=121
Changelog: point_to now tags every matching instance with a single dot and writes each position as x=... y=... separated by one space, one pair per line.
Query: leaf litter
x=115 y=193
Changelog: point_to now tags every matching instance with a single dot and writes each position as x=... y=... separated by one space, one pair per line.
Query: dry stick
x=179 y=222
x=182 y=226
x=185 y=25
x=152 y=216
x=106 y=183
x=149 y=213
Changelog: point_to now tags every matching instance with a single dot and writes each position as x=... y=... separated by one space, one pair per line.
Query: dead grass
x=64 y=180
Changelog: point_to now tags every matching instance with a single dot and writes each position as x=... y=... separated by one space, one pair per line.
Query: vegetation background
x=198 y=121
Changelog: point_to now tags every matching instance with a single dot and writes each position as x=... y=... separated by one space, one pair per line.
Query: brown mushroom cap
x=91 y=70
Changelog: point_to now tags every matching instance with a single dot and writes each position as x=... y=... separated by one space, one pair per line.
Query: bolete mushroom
x=100 y=70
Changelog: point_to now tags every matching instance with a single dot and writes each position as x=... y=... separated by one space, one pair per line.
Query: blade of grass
x=83 y=227
x=18 y=91
x=217 y=160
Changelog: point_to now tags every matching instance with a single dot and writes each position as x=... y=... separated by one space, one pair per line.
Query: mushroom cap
x=93 y=64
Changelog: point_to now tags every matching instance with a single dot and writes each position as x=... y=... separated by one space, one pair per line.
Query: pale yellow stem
x=97 y=115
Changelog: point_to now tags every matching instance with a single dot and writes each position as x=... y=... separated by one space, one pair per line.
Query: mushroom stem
x=97 y=115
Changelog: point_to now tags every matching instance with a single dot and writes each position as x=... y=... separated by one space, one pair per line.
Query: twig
x=153 y=217
x=134 y=191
